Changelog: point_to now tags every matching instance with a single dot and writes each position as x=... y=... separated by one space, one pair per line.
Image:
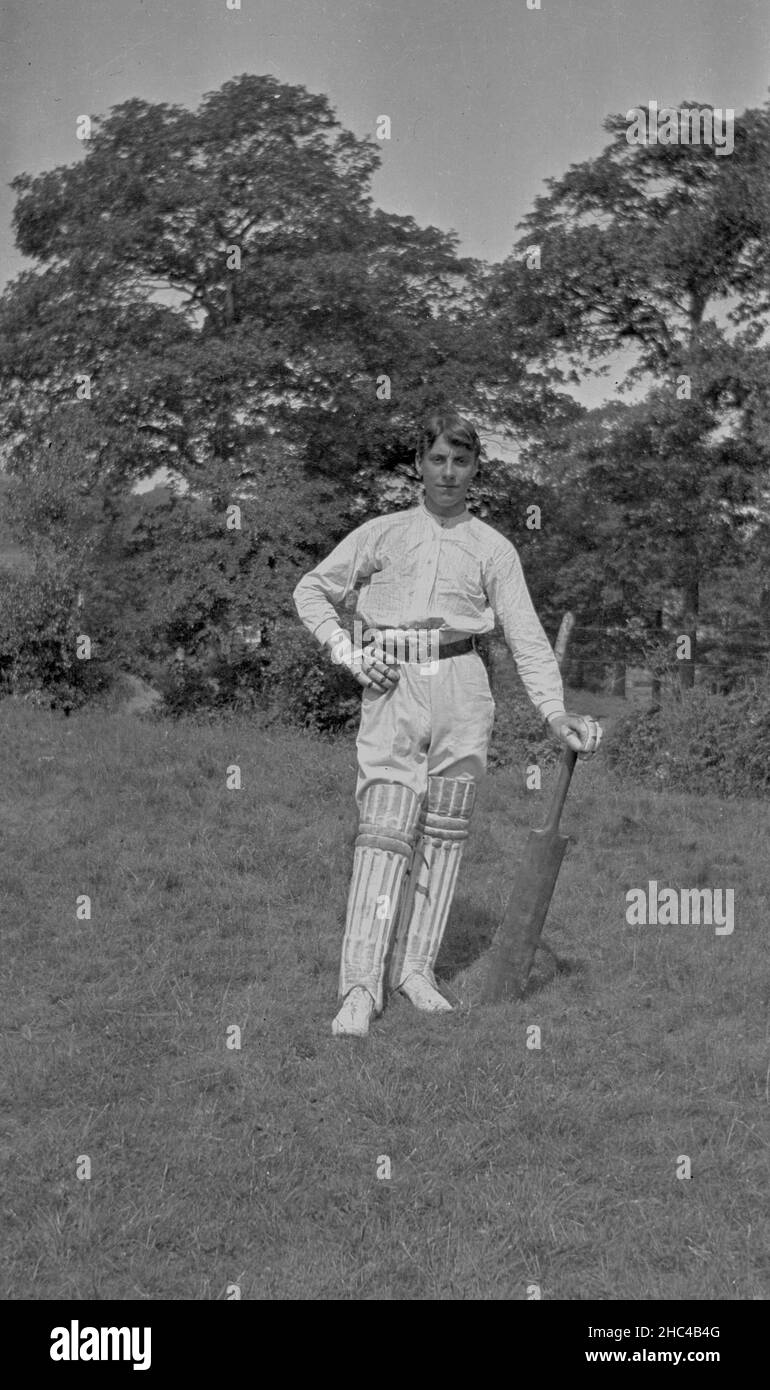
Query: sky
x=486 y=98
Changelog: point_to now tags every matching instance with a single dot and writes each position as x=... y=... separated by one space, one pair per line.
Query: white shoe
x=421 y=993
x=354 y=1016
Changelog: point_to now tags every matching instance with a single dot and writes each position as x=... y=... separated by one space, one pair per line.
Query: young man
x=432 y=577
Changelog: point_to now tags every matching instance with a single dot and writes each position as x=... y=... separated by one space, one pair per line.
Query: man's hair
x=458 y=431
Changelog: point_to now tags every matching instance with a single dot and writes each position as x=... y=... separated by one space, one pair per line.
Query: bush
x=302 y=684
x=699 y=743
x=39 y=627
x=205 y=681
x=520 y=737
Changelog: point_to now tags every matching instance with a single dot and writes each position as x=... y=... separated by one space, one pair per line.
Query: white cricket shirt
x=414 y=570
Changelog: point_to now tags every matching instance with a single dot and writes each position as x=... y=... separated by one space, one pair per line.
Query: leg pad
x=442 y=832
x=381 y=859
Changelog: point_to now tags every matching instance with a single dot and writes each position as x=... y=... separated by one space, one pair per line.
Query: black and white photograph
x=385 y=664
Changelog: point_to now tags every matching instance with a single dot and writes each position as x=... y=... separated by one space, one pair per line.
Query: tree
x=222 y=275
x=216 y=295
x=642 y=246
x=625 y=528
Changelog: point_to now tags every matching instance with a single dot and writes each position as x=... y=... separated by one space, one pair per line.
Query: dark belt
x=465 y=644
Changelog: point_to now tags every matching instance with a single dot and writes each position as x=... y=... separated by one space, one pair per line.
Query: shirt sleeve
x=330 y=583
x=512 y=605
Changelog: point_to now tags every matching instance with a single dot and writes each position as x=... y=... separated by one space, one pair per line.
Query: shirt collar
x=448 y=522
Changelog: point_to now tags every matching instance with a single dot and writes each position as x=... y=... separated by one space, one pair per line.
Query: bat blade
x=513 y=949
x=514 y=946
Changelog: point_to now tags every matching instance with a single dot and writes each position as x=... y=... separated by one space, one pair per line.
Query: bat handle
x=566 y=769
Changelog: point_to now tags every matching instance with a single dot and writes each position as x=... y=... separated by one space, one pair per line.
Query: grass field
x=510 y=1167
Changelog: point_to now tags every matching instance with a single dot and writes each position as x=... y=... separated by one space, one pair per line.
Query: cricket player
x=428 y=580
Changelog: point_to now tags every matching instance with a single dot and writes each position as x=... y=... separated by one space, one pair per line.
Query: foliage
x=302 y=685
x=222 y=273
x=649 y=503
x=253 y=379
x=225 y=283
x=703 y=742
x=39 y=627
x=636 y=243
x=520 y=738
x=663 y=249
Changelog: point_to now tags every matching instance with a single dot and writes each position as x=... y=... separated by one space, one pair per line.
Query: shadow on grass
x=469 y=935
x=547 y=966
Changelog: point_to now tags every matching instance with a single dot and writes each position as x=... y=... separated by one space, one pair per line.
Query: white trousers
x=419 y=745
x=432 y=723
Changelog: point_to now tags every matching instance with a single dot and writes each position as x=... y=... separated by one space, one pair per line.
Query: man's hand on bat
x=581 y=732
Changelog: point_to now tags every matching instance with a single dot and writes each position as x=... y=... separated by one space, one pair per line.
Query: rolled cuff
x=549 y=708
x=327 y=630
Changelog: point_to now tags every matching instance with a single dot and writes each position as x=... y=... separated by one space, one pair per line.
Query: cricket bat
x=516 y=940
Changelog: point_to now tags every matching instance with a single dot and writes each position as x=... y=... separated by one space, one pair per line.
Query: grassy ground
x=510 y=1167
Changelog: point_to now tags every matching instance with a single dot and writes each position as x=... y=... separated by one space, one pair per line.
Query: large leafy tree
x=625 y=531
x=638 y=245
x=665 y=248
x=247 y=319
x=216 y=274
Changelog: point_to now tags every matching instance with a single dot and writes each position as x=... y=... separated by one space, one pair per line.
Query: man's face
x=447 y=471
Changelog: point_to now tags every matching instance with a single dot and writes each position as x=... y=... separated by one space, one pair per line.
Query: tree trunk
x=656 y=683
x=689 y=628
